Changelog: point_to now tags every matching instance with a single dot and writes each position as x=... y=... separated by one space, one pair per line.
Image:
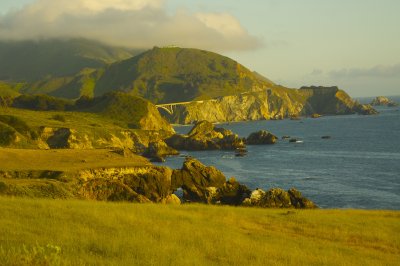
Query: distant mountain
x=36 y=60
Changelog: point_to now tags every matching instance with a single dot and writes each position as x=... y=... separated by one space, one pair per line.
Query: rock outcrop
x=198 y=182
x=158 y=150
x=204 y=136
x=383 y=101
x=273 y=103
x=261 y=137
x=278 y=198
x=139 y=184
x=142 y=184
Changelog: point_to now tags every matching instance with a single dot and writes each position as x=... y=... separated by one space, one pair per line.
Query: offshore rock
x=383 y=101
x=261 y=137
x=366 y=109
x=204 y=136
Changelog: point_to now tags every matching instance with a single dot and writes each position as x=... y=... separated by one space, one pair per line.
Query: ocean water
x=358 y=167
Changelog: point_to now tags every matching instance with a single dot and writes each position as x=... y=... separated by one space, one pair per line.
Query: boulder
x=298 y=201
x=171 y=199
x=232 y=193
x=159 y=150
x=278 y=198
x=203 y=136
x=153 y=183
x=197 y=181
x=315 y=115
x=261 y=137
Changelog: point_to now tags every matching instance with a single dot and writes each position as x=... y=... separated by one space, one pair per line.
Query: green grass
x=99 y=233
x=64 y=159
x=95 y=126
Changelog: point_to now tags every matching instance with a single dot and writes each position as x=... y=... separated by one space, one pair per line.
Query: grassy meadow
x=69 y=232
x=65 y=159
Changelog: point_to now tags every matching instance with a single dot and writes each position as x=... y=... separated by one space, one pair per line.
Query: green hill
x=165 y=75
x=36 y=60
x=135 y=111
x=160 y=75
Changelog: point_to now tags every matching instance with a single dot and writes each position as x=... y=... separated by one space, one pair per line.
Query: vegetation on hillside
x=159 y=75
x=176 y=74
x=36 y=60
x=65 y=232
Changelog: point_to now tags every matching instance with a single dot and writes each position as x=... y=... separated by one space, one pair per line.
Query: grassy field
x=56 y=232
x=65 y=159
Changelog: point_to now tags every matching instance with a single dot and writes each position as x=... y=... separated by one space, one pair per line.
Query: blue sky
x=353 y=44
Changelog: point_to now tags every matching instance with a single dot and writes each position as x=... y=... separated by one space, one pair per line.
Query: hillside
x=219 y=89
x=68 y=232
x=175 y=74
x=113 y=120
x=275 y=103
x=43 y=59
x=160 y=75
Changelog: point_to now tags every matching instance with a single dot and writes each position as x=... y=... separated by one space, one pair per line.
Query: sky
x=353 y=44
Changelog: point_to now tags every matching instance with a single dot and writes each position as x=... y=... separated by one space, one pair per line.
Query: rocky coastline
x=146 y=184
x=270 y=104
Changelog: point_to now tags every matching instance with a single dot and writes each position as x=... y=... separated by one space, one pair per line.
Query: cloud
x=381 y=71
x=133 y=23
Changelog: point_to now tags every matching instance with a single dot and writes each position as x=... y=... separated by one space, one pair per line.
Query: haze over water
x=358 y=167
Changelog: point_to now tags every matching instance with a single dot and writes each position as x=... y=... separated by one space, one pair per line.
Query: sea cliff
x=274 y=103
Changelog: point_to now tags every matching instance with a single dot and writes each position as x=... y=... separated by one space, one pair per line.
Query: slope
x=35 y=60
x=164 y=75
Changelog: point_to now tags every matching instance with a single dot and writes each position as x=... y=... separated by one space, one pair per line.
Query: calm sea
x=358 y=167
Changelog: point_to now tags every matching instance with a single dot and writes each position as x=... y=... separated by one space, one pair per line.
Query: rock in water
x=261 y=137
x=315 y=115
x=204 y=136
x=383 y=101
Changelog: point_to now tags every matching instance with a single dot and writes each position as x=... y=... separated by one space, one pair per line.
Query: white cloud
x=392 y=71
x=134 y=23
x=224 y=23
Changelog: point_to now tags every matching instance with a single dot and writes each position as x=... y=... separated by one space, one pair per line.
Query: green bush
x=7 y=134
x=18 y=125
x=59 y=117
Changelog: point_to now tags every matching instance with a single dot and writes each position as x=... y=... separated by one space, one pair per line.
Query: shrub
x=59 y=117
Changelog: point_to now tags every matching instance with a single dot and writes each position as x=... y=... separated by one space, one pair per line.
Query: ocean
x=358 y=167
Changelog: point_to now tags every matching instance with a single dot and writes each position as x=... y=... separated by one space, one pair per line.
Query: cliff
x=141 y=183
x=273 y=103
x=21 y=128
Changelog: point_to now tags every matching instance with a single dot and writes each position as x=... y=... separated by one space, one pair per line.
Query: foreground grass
x=34 y=231
x=64 y=159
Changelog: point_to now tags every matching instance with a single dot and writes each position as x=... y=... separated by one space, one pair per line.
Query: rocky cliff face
x=275 y=103
x=200 y=183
